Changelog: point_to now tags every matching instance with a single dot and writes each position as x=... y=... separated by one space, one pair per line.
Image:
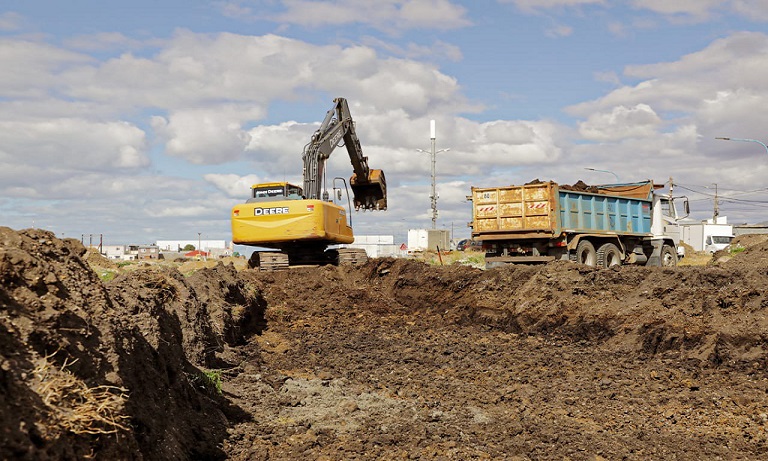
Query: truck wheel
x=586 y=254
x=668 y=256
x=608 y=255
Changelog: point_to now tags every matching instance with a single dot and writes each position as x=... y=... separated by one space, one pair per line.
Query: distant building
x=377 y=246
x=428 y=239
x=196 y=254
x=117 y=252
x=747 y=229
x=213 y=248
x=148 y=252
x=178 y=245
x=131 y=252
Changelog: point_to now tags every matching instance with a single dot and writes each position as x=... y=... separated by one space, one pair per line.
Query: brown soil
x=392 y=360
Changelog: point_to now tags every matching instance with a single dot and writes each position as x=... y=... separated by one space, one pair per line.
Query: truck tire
x=668 y=256
x=608 y=255
x=585 y=253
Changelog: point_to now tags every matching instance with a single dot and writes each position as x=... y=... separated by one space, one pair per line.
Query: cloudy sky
x=149 y=120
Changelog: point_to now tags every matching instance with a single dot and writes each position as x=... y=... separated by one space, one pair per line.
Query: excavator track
x=352 y=256
x=268 y=261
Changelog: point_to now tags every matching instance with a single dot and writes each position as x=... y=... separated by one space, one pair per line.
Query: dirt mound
x=97 y=260
x=111 y=371
x=745 y=251
x=395 y=359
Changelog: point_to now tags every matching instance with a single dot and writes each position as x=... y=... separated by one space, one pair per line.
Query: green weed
x=107 y=275
x=211 y=381
x=734 y=250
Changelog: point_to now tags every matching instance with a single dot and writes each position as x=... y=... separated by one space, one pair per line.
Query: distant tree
x=188 y=247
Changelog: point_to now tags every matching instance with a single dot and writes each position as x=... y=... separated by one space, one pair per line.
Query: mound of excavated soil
x=88 y=370
x=395 y=359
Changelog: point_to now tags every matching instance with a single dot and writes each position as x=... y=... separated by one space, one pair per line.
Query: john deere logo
x=273 y=210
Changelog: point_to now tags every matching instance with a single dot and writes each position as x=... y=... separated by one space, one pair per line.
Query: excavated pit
x=395 y=359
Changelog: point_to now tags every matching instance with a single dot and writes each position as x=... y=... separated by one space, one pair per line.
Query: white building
x=130 y=252
x=377 y=246
x=428 y=240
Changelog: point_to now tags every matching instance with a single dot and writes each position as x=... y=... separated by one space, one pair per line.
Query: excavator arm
x=369 y=186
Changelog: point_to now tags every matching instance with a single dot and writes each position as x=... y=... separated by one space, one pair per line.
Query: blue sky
x=149 y=120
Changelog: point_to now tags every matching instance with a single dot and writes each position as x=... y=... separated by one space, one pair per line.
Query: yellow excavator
x=307 y=225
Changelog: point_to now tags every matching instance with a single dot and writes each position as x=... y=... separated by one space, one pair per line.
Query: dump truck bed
x=547 y=210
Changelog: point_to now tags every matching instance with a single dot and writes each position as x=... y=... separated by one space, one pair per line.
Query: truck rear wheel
x=608 y=255
x=668 y=256
x=585 y=253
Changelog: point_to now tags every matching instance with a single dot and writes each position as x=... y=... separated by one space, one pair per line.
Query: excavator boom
x=369 y=186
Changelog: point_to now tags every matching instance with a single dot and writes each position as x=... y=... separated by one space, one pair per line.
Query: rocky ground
x=396 y=359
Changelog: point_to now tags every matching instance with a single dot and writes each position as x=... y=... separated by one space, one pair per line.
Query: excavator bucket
x=370 y=193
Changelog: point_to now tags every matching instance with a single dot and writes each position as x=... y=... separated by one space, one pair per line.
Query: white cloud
x=31 y=69
x=381 y=14
x=74 y=143
x=753 y=9
x=10 y=21
x=103 y=41
x=620 y=123
x=206 y=136
x=233 y=185
x=533 y=5
x=695 y=10
x=436 y=51
x=559 y=31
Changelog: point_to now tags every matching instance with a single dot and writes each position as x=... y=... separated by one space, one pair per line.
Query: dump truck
x=307 y=225
x=602 y=226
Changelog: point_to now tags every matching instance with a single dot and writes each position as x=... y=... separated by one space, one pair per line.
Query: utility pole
x=433 y=154
x=717 y=207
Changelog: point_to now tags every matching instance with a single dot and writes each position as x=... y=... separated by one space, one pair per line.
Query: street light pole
x=604 y=171
x=433 y=153
x=745 y=140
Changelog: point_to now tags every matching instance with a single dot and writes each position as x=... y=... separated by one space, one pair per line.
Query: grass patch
x=107 y=275
x=447 y=258
x=210 y=380
x=734 y=250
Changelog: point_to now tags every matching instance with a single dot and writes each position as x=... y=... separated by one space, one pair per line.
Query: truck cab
x=715 y=243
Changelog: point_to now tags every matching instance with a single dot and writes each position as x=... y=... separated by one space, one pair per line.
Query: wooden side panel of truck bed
x=514 y=208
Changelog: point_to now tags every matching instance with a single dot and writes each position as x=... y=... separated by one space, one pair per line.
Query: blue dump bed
x=548 y=210
x=582 y=212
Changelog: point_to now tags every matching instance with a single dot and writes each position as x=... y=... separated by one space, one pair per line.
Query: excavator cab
x=370 y=193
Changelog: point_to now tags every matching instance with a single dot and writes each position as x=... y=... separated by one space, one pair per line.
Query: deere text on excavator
x=305 y=224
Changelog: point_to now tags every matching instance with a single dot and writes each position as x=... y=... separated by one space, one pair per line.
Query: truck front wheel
x=608 y=255
x=585 y=253
x=668 y=256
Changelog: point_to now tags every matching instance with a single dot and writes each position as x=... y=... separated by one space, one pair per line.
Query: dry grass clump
x=74 y=406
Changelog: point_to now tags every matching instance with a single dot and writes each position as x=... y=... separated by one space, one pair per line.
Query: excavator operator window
x=294 y=192
x=275 y=192
x=268 y=191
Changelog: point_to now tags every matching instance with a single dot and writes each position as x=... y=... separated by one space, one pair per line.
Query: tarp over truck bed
x=545 y=209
